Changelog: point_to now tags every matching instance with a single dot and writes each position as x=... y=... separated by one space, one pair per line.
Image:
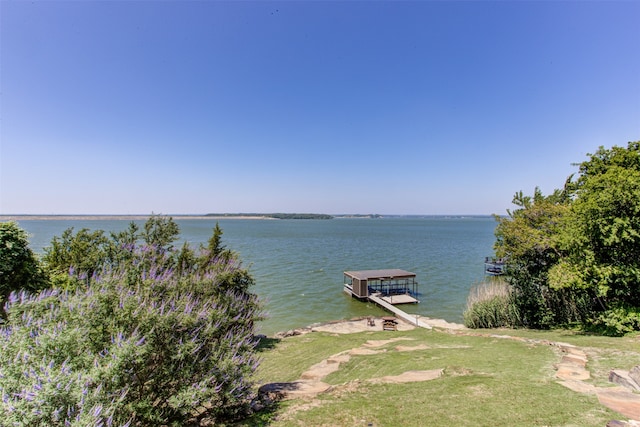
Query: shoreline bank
x=362 y=324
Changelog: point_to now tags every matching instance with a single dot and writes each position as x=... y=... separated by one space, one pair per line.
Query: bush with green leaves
x=19 y=266
x=145 y=344
x=574 y=255
x=616 y=322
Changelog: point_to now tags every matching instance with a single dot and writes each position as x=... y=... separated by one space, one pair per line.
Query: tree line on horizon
x=274 y=215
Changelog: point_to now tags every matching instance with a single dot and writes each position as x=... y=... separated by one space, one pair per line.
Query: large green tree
x=601 y=241
x=19 y=267
x=86 y=253
x=574 y=256
x=527 y=237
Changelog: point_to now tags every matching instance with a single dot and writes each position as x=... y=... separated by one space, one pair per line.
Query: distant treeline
x=275 y=215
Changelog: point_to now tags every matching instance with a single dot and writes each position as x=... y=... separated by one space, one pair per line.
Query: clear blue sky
x=427 y=107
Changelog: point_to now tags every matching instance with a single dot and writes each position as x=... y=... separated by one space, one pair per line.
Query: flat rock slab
x=380 y=343
x=623 y=378
x=410 y=376
x=326 y=367
x=364 y=351
x=634 y=373
x=355 y=326
x=620 y=400
x=571 y=371
x=575 y=359
x=578 y=386
x=412 y=348
x=292 y=390
x=618 y=423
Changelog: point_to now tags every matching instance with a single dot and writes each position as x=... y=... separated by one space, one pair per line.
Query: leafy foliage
x=144 y=343
x=84 y=253
x=528 y=239
x=574 y=256
x=19 y=267
x=602 y=240
x=617 y=322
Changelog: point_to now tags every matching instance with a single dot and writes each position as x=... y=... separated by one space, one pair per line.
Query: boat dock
x=393 y=285
x=386 y=288
x=494 y=266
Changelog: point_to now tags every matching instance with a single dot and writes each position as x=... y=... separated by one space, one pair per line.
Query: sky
x=408 y=107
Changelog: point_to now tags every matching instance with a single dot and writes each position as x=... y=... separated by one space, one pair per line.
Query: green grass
x=487 y=381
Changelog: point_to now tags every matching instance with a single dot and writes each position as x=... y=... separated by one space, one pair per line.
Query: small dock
x=386 y=288
x=494 y=266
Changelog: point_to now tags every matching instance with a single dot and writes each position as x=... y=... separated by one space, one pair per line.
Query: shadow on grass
x=267 y=343
x=262 y=418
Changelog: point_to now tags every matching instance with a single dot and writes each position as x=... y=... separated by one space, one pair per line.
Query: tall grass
x=491 y=304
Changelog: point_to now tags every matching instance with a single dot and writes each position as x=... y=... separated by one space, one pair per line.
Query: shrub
x=19 y=267
x=141 y=347
x=616 y=322
x=491 y=305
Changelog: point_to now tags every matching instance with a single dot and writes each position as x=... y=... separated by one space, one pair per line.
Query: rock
x=620 y=400
x=410 y=376
x=292 y=333
x=624 y=379
x=570 y=371
x=634 y=373
x=618 y=423
x=289 y=390
x=578 y=386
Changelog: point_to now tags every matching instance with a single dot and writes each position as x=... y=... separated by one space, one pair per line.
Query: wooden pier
x=386 y=288
x=409 y=318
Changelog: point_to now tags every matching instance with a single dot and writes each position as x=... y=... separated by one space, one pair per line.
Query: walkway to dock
x=409 y=318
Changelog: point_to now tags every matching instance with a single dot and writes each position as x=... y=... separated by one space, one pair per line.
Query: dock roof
x=392 y=273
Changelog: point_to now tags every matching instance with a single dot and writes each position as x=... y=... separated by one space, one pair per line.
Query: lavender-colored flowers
x=142 y=341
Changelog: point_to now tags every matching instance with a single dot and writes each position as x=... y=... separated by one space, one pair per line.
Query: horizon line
x=230 y=214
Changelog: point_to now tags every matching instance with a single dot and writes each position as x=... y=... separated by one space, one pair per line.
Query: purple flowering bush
x=143 y=344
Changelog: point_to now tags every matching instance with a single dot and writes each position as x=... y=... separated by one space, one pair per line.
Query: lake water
x=298 y=264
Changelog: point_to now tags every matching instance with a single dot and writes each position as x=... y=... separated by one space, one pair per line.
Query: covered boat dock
x=393 y=286
x=494 y=266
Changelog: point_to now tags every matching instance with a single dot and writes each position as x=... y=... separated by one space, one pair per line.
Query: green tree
x=215 y=249
x=601 y=242
x=123 y=244
x=574 y=256
x=84 y=253
x=527 y=238
x=160 y=233
x=19 y=267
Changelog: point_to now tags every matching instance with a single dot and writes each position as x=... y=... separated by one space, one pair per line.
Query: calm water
x=298 y=264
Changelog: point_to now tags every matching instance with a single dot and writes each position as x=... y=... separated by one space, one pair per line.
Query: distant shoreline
x=266 y=216
x=119 y=217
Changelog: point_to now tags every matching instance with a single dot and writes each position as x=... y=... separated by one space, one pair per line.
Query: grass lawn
x=487 y=380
